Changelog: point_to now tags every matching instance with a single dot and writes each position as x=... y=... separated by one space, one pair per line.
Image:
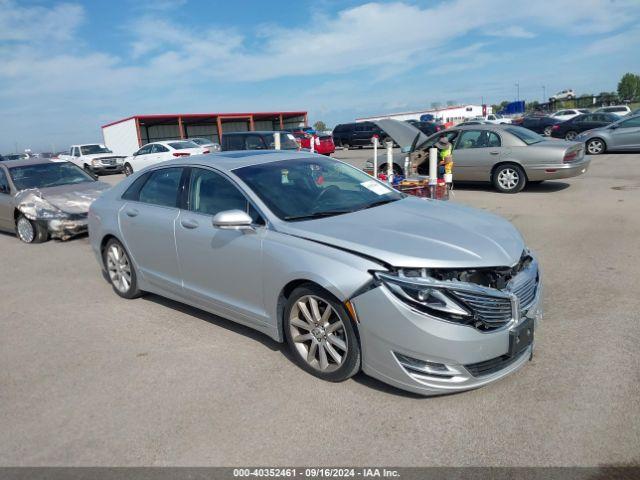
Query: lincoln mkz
x=428 y=296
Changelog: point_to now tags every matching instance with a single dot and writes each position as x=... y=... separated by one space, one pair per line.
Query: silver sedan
x=623 y=135
x=506 y=155
x=428 y=296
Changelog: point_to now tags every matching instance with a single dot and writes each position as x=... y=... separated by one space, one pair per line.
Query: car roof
x=231 y=160
x=26 y=162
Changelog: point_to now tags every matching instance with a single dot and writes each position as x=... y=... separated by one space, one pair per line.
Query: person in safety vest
x=445 y=156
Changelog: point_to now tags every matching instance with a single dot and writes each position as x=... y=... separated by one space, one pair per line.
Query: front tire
x=127 y=169
x=120 y=270
x=509 y=178
x=30 y=231
x=570 y=135
x=596 y=146
x=320 y=334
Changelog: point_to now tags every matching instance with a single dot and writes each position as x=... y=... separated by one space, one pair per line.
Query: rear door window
x=144 y=150
x=254 y=142
x=157 y=148
x=478 y=139
x=632 y=122
x=162 y=187
x=235 y=142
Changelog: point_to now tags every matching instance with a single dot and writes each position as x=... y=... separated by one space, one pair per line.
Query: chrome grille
x=525 y=291
x=489 y=312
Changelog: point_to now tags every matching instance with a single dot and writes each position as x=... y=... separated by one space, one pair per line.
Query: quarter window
x=210 y=193
x=162 y=187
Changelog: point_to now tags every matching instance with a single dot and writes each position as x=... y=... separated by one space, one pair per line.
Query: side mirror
x=232 y=220
x=614 y=126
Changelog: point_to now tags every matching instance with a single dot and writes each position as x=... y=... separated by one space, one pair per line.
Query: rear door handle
x=132 y=212
x=494 y=153
x=189 y=223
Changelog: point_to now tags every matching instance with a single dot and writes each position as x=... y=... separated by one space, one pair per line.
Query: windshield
x=306 y=188
x=183 y=145
x=93 y=149
x=48 y=175
x=287 y=141
x=527 y=136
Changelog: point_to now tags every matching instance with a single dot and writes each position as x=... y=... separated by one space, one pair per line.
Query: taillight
x=181 y=154
x=555 y=127
x=206 y=151
x=570 y=156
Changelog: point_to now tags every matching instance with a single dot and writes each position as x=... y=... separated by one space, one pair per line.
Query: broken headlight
x=35 y=207
x=421 y=294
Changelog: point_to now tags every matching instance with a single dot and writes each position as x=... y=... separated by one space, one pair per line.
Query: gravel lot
x=87 y=378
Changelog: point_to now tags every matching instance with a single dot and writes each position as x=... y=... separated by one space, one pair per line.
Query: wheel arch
x=288 y=289
x=508 y=162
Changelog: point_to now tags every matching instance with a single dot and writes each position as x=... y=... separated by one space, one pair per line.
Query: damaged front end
x=487 y=299
x=64 y=214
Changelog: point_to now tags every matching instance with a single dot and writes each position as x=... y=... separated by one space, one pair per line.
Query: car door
x=75 y=157
x=147 y=221
x=475 y=152
x=6 y=203
x=221 y=268
x=625 y=135
x=160 y=153
x=146 y=157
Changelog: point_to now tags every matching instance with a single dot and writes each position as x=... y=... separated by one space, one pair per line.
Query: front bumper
x=63 y=229
x=555 y=171
x=391 y=332
x=101 y=168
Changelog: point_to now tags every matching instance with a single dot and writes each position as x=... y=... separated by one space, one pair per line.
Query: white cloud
x=47 y=67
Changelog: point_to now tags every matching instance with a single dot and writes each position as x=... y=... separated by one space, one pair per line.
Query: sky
x=66 y=68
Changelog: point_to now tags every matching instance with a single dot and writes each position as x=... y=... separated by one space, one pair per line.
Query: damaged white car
x=40 y=199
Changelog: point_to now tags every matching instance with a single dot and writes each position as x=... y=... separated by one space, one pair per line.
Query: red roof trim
x=205 y=115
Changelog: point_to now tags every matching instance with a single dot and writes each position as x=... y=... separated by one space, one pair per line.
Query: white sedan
x=157 y=152
x=568 y=113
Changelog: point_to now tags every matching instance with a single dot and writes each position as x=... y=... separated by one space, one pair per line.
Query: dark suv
x=357 y=134
x=257 y=141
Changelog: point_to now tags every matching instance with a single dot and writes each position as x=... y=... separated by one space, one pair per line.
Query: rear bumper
x=392 y=335
x=555 y=171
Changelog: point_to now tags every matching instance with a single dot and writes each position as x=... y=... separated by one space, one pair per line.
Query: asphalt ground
x=87 y=378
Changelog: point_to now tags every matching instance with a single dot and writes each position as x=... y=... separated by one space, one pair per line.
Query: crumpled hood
x=414 y=232
x=74 y=199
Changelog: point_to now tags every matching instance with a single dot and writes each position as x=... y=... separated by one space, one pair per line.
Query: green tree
x=320 y=126
x=629 y=87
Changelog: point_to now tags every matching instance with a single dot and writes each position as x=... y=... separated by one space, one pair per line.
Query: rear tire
x=509 y=178
x=320 y=334
x=120 y=270
x=30 y=231
x=547 y=131
x=570 y=135
x=596 y=146
x=397 y=170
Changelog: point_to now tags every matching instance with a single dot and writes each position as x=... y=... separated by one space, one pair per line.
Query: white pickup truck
x=494 y=118
x=93 y=157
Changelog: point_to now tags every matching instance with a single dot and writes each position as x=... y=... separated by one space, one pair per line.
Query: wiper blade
x=329 y=213
x=380 y=202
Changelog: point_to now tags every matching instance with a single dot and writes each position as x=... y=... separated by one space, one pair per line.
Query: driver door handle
x=494 y=153
x=132 y=212
x=189 y=223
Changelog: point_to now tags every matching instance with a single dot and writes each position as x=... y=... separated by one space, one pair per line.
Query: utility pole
x=544 y=93
x=518 y=91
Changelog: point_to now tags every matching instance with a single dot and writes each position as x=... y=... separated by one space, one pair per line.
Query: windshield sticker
x=376 y=187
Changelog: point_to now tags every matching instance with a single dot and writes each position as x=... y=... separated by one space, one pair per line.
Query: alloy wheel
x=570 y=136
x=547 y=131
x=595 y=146
x=318 y=334
x=25 y=230
x=119 y=268
x=128 y=170
x=508 y=178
